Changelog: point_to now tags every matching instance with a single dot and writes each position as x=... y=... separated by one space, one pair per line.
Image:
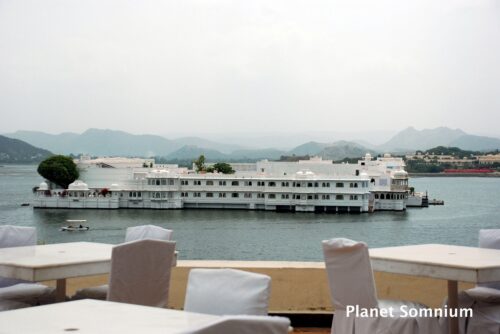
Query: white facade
x=314 y=185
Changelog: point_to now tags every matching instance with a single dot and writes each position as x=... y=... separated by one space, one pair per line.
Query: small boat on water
x=75 y=225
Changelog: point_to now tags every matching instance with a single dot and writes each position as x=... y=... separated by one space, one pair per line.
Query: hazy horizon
x=275 y=139
x=216 y=68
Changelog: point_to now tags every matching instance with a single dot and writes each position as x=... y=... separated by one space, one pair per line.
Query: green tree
x=200 y=163
x=59 y=169
x=223 y=167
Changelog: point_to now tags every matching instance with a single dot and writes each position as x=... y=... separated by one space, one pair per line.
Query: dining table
x=449 y=262
x=97 y=316
x=56 y=262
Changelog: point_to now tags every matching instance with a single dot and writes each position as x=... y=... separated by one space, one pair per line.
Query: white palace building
x=314 y=185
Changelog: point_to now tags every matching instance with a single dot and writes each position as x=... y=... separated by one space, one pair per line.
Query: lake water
x=471 y=204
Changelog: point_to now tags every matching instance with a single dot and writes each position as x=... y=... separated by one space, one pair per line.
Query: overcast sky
x=220 y=66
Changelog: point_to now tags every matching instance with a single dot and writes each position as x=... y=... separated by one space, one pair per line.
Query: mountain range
x=412 y=139
x=99 y=142
x=17 y=151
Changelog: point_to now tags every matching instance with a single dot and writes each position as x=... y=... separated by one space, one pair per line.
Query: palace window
x=326 y=196
x=284 y=196
x=197 y=182
x=209 y=195
x=235 y=183
x=339 y=185
x=354 y=197
x=196 y=194
x=309 y=184
x=222 y=183
x=325 y=184
x=184 y=182
x=260 y=195
x=222 y=195
x=284 y=184
x=339 y=197
x=209 y=183
x=271 y=184
x=272 y=196
x=163 y=182
x=248 y=195
x=248 y=183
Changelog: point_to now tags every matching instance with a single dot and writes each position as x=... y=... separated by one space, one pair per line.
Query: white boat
x=72 y=225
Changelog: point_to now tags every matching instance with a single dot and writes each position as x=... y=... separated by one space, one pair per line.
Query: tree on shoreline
x=59 y=169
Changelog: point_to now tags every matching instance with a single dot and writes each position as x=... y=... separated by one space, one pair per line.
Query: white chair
x=484 y=299
x=133 y=233
x=148 y=232
x=227 y=292
x=140 y=272
x=15 y=290
x=244 y=325
x=351 y=282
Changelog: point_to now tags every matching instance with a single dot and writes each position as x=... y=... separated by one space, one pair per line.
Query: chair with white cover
x=18 y=292
x=484 y=299
x=244 y=325
x=148 y=232
x=133 y=233
x=140 y=272
x=227 y=292
x=351 y=283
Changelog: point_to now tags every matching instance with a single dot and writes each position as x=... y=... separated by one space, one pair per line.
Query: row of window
x=164 y=182
x=390 y=196
x=161 y=182
x=138 y=194
x=272 y=196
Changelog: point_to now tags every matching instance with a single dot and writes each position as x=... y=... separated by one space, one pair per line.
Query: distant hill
x=55 y=143
x=205 y=143
x=114 y=143
x=191 y=152
x=411 y=139
x=257 y=154
x=310 y=148
x=17 y=151
x=476 y=143
x=344 y=149
x=100 y=142
x=336 y=151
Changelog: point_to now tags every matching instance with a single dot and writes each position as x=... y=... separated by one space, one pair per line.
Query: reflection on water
x=470 y=204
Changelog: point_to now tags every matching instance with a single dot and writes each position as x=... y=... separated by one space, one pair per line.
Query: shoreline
x=453 y=175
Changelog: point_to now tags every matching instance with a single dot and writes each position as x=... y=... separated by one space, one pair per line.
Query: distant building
x=489 y=159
